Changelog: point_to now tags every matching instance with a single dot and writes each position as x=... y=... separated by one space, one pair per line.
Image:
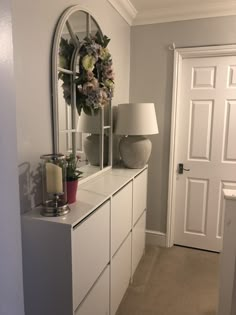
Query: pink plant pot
x=71 y=190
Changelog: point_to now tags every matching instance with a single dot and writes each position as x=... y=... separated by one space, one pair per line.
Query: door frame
x=179 y=55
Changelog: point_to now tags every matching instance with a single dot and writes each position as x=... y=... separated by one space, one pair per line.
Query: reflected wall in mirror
x=83 y=83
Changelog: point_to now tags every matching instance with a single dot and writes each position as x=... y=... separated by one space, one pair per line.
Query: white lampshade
x=136 y=119
x=89 y=124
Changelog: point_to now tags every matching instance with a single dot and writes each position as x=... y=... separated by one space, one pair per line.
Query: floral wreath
x=95 y=77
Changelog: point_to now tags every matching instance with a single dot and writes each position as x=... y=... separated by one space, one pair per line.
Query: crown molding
x=125 y=9
x=187 y=12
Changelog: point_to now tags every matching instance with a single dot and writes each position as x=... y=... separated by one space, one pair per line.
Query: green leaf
x=87 y=110
x=106 y=41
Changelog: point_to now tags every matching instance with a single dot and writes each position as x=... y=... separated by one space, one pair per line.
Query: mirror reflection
x=83 y=88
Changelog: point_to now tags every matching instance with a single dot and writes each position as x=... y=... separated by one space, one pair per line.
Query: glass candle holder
x=54 y=185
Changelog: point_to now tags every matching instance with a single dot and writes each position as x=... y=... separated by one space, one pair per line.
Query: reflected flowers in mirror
x=94 y=74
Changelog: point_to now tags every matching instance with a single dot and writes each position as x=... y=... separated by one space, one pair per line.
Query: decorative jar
x=54 y=185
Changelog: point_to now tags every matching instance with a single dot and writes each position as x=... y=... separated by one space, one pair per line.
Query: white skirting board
x=155 y=238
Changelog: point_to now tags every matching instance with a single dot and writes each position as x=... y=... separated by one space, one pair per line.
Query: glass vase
x=54 y=185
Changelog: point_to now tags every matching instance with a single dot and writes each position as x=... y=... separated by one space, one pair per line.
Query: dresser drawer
x=120 y=274
x=138 y=241
x=90 y=251
x=121 y=216
x=97 y=300
x=140 y=195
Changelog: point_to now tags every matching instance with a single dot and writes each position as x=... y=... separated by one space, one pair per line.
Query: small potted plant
x=72 y=176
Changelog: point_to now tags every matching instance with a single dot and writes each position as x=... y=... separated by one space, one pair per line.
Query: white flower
x=104 y=53
x=88 y=62
x=109 y=84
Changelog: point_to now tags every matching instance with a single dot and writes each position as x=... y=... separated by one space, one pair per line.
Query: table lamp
x=134 y=121
x=92 y=126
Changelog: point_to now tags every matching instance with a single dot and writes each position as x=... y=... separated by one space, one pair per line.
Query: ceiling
x=137 y=12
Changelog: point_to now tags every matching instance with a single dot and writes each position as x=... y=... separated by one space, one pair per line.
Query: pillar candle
x=54 y=179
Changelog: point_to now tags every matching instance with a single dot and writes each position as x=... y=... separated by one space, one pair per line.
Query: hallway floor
x=173 y=281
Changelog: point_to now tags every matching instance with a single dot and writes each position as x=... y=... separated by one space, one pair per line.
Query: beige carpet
x=173 y=281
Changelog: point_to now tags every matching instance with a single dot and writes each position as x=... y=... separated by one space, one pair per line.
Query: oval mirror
x=82 y=80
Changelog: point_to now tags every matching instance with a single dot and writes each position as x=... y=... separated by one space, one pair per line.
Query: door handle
x=181 y=168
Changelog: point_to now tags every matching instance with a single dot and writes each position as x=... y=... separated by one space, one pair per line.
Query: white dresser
x=227 y=294
x=81 y=264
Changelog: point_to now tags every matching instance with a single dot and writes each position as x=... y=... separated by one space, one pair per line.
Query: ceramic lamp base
x=91 y=149
x=135 y=151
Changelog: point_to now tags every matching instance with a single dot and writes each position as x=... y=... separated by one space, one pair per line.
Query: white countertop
x=90 y=195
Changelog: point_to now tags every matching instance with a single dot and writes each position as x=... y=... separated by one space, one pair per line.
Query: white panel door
x=206 y=145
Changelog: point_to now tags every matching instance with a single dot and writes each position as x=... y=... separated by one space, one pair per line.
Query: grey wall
x=151 y=81
x=34 y=24
x=11 y=287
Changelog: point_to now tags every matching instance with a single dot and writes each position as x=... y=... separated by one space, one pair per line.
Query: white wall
x=11 y=289
x=30 y=115
x=151 y=81
x=34 y=24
